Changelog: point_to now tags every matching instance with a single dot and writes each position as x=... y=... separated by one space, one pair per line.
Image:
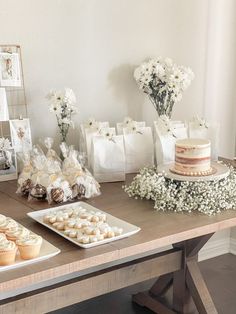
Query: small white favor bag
x=92 y=125
x=139 y=149
x=166 y=133
x=108 y=158
x=90 y=133
x=200 y=128
x=128 y=122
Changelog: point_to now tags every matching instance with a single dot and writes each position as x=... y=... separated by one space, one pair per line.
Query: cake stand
x=221 y=172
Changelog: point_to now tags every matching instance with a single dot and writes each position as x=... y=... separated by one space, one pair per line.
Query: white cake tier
x=192 y=156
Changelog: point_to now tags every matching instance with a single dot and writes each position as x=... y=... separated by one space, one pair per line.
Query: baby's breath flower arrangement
x=62 y=104
x=208 y=197
x=163 y=81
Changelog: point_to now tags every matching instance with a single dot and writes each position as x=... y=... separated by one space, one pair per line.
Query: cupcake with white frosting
x=17 y=233
x=2 y=218
x=7 y=252
x=7 y=224
x=2 y=237
x=29 y=246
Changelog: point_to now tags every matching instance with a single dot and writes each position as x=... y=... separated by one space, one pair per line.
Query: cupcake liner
x=29 y=251
x=7 y=257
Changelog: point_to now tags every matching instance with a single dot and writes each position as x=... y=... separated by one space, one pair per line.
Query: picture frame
x=10 y=69
x=8 y=161
x=21 y=135
x=4 y=113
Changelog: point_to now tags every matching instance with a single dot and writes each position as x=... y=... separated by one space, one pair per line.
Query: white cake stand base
x=221 y=172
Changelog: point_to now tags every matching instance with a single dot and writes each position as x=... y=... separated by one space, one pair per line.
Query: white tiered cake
x=192 y=157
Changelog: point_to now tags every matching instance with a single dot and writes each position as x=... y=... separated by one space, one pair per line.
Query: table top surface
x=158 y=229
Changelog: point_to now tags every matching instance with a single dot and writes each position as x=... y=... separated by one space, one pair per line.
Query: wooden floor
x=219 y=274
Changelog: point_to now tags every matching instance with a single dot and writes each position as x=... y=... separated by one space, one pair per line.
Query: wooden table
x=177 y=266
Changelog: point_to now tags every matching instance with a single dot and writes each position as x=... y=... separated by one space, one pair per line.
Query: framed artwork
x=9 y=69
x=4 y=114
x=21 y=135
x=8 y=165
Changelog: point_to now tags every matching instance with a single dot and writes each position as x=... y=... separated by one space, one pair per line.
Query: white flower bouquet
x=163 y=81
x=62 y=103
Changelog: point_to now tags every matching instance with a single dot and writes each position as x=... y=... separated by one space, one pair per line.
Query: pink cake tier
x=192 y=157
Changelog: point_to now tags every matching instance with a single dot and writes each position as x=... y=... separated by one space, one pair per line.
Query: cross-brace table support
x=188 y=284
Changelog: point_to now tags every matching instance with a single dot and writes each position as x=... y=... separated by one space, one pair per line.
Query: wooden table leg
x=198 y=289
x=162 y=285
x=188 y=284
x=144 y=299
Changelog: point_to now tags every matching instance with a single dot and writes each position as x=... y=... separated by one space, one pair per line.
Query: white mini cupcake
x=16 y=233
x=2 y=218
x=7 y=224
x=7 y=252
x=29 y=247
x=2 y=237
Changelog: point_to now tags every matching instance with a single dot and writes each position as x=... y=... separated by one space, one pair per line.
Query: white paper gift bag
x=108 y=158
x=139 y=148
x=128 y=122
x=91 y=124
x=200 y=128
x=89 y=134
x=166 y=133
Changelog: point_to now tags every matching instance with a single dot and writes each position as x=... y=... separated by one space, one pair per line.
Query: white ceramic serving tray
x=221 y=171
x=128 y=229
x=47 y=250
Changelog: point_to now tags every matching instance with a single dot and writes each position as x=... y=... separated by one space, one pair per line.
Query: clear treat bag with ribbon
x=200 y=128
x=71 y=167
x=166 y=132
x=127 y=123
x=53 y=161
x=85 y=186
x=41 y=177
x=59 y=191
x=139 y=150
x=108 y=157
x=25 y=182
x=51 y=154
x=82 y=183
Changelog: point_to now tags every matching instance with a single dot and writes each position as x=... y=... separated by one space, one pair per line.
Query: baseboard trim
x=215 y=248
x=232 y=248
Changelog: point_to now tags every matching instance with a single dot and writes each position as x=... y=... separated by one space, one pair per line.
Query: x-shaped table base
x=187 y=282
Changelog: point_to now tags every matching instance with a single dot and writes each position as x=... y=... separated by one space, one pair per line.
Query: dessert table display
x=105 y=268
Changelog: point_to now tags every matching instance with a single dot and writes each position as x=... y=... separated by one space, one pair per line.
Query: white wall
x=220 y=101
x=93 y=46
